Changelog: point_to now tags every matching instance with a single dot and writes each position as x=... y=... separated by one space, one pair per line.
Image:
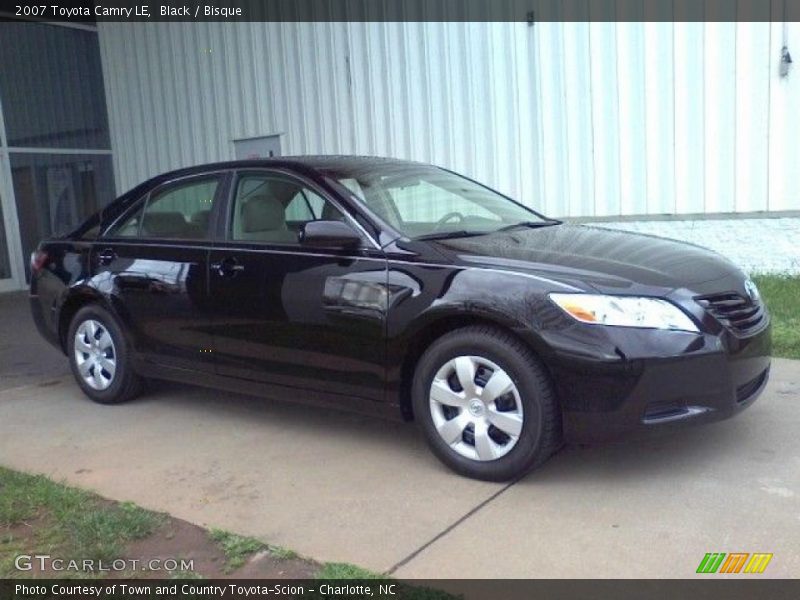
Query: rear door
x=285 y=314
x=154 y=265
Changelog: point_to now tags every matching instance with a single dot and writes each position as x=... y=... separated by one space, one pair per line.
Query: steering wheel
x=446 y=218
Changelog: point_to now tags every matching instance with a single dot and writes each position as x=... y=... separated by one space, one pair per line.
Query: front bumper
x=657 y=380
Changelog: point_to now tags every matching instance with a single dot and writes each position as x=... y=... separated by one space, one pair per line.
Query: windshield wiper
x=531 y=224
x=445 y=235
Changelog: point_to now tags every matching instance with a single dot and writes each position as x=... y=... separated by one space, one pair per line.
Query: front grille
x=744 y=392
x=739 y=314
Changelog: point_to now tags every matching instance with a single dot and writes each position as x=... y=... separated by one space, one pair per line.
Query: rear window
x=180 y=211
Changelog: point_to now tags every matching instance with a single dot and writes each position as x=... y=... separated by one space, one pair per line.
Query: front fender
x=425 y=294
x=428 y=301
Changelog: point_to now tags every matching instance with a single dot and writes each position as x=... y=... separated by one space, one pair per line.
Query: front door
x=288 y=315
x=155 y=261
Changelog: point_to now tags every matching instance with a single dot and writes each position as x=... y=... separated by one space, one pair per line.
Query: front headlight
x=624 y=311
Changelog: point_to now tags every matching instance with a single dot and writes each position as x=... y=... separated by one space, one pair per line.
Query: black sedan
x=402 y=289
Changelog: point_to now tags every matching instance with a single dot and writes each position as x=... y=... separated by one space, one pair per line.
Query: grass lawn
x=782 y=295
x=238 y=549
x=37 y=514
x=40 y=516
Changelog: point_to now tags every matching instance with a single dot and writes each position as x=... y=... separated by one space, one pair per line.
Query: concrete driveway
x=341 y=487
x=24 y=356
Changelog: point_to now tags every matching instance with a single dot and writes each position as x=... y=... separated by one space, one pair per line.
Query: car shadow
x=288 y=413
x=677 y=452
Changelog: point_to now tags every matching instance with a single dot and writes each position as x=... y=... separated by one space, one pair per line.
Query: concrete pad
x=332 y=486
x=342 y=487
x=25 y=357
x=648 y=508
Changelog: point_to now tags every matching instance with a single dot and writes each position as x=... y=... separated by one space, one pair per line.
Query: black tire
x=125 y=383
x=540 y=436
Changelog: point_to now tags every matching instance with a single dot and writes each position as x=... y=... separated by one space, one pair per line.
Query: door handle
x=107 y=256
x=227 y=267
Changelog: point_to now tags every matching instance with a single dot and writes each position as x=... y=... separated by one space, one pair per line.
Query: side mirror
x=329 y=234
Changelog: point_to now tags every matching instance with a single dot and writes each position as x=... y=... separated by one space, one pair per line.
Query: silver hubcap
x=476 y=408
x=95 y=354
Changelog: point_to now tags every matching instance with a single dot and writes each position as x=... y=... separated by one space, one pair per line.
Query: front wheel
x=100 y=357
x=486 y=404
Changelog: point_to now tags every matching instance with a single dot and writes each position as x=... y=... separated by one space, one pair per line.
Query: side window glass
x=271 y=208
x=129 y=227
x=179 y=212
x=305 y=206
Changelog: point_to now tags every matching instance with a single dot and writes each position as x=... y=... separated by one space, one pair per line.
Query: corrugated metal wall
x=576 y=119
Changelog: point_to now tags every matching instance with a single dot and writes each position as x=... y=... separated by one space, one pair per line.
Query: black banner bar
x=527 y=11
x=749 y=587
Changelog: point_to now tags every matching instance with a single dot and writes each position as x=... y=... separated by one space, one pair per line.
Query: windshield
x=422 y=201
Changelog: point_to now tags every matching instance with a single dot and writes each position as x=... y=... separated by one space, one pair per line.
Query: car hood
x=604 y=259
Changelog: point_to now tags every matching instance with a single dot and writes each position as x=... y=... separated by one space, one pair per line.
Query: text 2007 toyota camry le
x=401 y=289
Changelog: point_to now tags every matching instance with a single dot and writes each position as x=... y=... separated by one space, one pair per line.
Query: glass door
x=7 y=276
x=5 y=264
x=55 y=146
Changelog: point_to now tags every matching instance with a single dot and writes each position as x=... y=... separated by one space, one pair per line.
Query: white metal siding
x=577 y=119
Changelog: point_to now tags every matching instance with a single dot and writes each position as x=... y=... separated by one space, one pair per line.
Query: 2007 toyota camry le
x=401 y=289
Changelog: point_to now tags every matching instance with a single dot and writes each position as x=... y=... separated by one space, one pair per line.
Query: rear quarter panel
x=61 y=280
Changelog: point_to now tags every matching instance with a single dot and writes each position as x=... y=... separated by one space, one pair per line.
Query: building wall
x=575 y=119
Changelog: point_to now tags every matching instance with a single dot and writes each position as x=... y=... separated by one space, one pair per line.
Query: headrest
x=201 y=219
x=262 y=213
x=331 y=213
x=163 y=224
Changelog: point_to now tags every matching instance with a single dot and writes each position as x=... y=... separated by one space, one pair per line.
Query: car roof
x=309 y=163
x=322 y=161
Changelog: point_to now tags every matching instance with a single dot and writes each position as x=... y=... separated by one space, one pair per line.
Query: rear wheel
x=100 y=357
x=486 y=404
